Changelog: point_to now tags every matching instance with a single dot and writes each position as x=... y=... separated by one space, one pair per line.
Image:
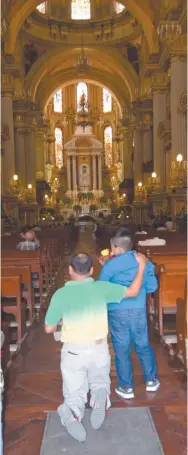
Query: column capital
x=159 y=83
x=7 y=85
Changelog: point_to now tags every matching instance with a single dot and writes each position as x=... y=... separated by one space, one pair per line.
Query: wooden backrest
x=10 y=286
x=24 y=271
x=172 y=275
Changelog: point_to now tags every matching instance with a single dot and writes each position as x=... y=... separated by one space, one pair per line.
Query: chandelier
x=82 y=63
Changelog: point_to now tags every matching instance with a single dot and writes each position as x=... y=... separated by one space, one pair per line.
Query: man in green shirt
x=85 y=361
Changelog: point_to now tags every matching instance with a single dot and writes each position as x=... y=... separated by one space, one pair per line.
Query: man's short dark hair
x=81 y=263
x=123 y=240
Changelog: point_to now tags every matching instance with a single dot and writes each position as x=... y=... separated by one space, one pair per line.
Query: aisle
x=34 y=387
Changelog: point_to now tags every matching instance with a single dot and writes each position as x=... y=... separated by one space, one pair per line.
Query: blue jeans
x=126 y=326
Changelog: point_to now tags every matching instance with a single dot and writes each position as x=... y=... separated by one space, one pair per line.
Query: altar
x=84 y=164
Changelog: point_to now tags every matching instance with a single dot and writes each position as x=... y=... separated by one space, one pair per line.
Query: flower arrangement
x=105 y=256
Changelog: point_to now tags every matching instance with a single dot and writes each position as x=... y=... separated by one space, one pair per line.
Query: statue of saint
x=84 y=177
x=119 y=171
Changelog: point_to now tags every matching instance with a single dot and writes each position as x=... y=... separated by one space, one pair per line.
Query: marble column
x=68 y=173
x=138 y=159
x=147 y=145
x=51 y=150
x=20 y=155
x=30 y=154
x=159 y=115
x=9 y=154
x=40 y=150
x=94 y=172
x=74 y=173
x=127 y=155
x=100 y=172
x=178 y=122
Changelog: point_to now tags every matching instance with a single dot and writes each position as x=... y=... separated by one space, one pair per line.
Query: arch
x=139 y=9
x=60 y=63
x=118 y=100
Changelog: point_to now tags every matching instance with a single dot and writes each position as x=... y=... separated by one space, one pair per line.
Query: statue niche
x=30 y=57
x=84 y=177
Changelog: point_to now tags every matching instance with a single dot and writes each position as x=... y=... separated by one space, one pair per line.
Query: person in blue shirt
x=128 y=320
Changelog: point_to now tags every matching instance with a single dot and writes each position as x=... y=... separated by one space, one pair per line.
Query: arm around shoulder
x=134 y=289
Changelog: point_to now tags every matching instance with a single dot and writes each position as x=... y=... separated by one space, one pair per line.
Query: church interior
x=93 y=130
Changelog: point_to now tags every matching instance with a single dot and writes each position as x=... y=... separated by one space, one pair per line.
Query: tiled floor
x=34 y=387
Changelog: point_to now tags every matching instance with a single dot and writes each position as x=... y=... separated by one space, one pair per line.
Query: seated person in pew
x=128 y=321
x=29 y=242
x=162 y=227
x=85 y=360
x=140 y=231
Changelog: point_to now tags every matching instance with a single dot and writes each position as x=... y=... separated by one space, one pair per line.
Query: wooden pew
x=171 y=271
x=181 y=327
x=25 y=275
x=11 y=287
x=20 y=258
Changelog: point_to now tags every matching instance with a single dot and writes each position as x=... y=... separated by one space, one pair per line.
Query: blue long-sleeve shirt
x=122 y=270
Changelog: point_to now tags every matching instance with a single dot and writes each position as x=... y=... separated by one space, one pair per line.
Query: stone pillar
x=74 y=173
x=7 y=120
x=68 y=173
x=178 y=123
x=147 y=144
x=159 y=115
x=40 y=150
x=94 y=172
x=127 y=155
x=51 y=149
x=100 y=172
x=20 y=154
x=138 y=159
x=30 y=154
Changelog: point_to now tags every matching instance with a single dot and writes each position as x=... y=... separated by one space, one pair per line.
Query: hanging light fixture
x=82 y=64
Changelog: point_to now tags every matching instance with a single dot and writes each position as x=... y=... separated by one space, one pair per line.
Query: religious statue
x=48 y=172
x=84 y=177
x=119 y=171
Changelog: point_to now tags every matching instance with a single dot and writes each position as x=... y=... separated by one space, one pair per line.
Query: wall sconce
x=140 y=193
x=15 y=186
x=29 y=193
x=153 y=183
x=178 y=177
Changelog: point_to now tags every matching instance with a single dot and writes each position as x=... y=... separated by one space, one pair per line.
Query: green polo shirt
x=82 y=306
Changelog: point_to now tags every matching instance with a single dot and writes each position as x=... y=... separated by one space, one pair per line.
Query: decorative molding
x=164 y=128
x=5 y=134
x=183 y=102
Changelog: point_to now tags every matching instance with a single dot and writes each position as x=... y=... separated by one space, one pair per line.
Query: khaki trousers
x=84 y=367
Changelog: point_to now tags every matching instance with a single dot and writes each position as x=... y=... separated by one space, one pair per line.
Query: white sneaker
x=152 y=386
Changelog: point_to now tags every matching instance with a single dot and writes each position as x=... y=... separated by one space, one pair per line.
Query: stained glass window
x=42 y=8
x=82 y=95
x=108 y=145
x=107 y=100
x=59 y=147
x=58 y=102
x=80 y=9
x=119 y=7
